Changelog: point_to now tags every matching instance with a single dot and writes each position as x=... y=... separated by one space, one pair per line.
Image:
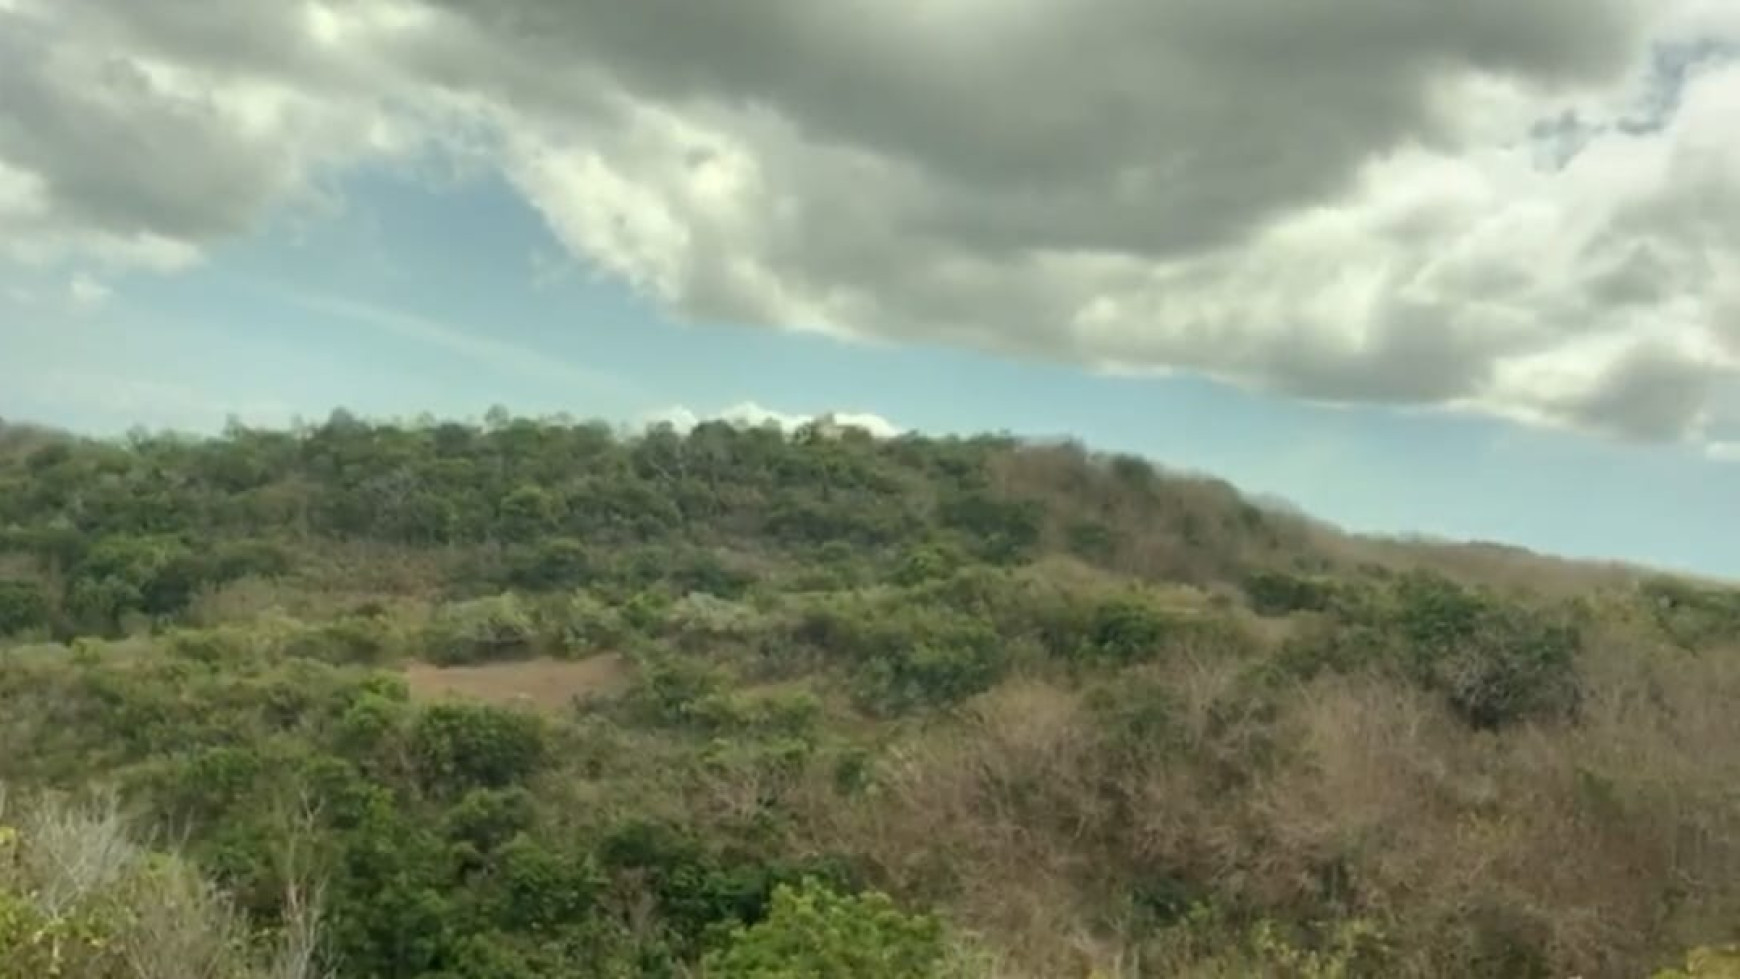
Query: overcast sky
x=1466 y=267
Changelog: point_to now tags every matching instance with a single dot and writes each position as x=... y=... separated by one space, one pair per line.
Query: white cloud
x=752 y=415
x=1530 y=210
x=86 y=294
x=876 y=425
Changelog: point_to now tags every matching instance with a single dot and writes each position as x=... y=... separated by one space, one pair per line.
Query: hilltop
x=539 y=698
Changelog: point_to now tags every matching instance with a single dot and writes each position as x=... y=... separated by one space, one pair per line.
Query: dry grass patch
x=541 y=684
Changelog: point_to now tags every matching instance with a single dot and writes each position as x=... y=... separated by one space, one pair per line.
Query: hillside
x=534 y=698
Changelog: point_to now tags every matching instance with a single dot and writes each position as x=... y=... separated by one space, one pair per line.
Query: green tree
x=812 y=931
x=24 y=605
x=461 y=746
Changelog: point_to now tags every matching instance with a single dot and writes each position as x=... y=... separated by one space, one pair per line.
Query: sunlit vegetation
x=533 y=698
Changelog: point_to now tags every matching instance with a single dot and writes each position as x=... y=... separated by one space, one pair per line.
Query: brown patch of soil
x=543 y=684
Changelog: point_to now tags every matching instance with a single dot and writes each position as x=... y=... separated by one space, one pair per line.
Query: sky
x=1468 y=270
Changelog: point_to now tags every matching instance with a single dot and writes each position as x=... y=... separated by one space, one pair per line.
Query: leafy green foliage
x=480 y=630
x=1693 y=617
x=1495 y=664
x=1001 y=531
x=461 y=746
x=24 y=606
x=812 y=931
x=700 y=893
x=1278 y=593
x=551 y=565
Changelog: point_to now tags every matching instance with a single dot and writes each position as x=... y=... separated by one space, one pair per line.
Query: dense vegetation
x=834 y=705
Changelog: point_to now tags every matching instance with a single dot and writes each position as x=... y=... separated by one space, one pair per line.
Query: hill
x=535 y=698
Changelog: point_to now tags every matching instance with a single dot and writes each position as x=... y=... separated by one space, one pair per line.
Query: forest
x=530 y=697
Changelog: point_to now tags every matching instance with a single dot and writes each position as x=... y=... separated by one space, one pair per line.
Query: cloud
x=86 y=294
x=1530 y=210
x=751 y=414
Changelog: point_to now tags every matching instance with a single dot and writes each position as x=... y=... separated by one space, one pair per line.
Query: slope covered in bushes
x=905 y=707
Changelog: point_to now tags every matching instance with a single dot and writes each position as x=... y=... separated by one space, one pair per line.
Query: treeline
x=139 y=528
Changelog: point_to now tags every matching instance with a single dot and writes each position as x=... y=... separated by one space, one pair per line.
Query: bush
x=480 y=630
x=80 y=899
x=1278 y=593
x=1136 y=717
x=247 y=558
x=1091 y=540
x=698 y=892
x=812 y=931
x=927 y=562
x=551 y=565
x=1001 y=531
x=1119 y=630
x=700 y=620
x=24 y=606
x=484 y=819
x=155 y=575
x=666 y=690
x=457 y=747
x=581 y=625
x=541 y=888
x=1707 y=963
x=791 y=714
x=1495 y=664
x=354 y=639
x=1124 y=630
x=926 y=676
x=1693 y=617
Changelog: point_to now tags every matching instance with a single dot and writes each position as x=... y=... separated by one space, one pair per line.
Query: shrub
x=666 y=690
x=1120 y=629
x=926 y=675
x=1091 y=540
x=1002 y=531
x=1135 y=716
x=551 y=565
x=699 y=892
x=926 y=562
x=357 y=639
x=1693 y=617
x=792 y=714
x=700 y=619
x=23 y=606
x=1278 y=593
x=1323 y=644
x=480 y=630
x=1124 y=630
x=461 y=746
x=79 y=898
x=247 y=558
x=812 y=931
x=1707 y=963
x=581 y=625
x=484 y=819
x=1495 y=664
x=540 y=887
